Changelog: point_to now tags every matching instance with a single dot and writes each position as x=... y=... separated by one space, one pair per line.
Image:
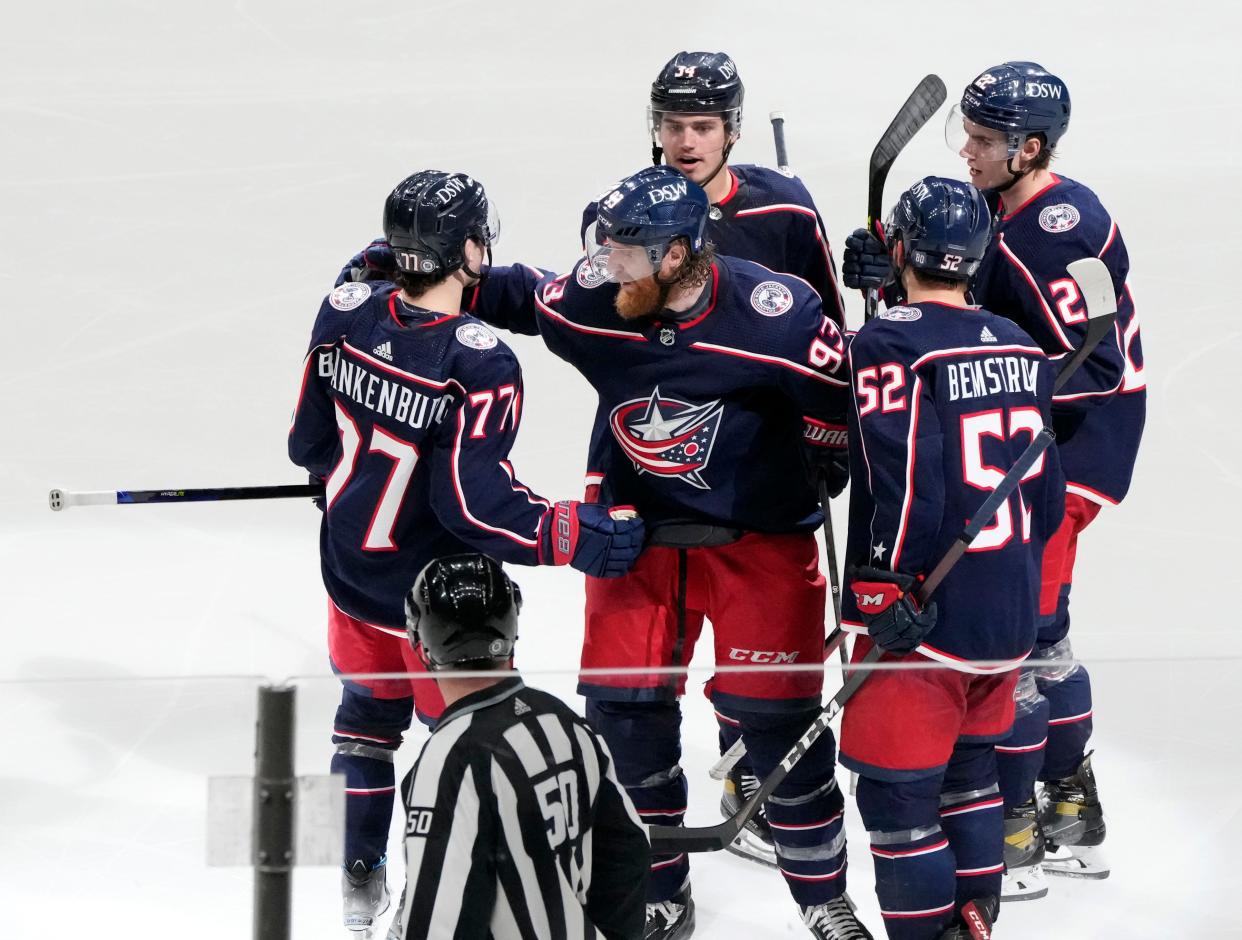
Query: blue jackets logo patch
x=666 y=436
x=771 y=298
x=1059 y=218
x=349 y=295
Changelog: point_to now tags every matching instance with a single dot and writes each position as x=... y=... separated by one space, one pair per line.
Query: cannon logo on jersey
x=668 y=437
x=1059 y=218
x=771 y=298
x=587 y=276
x=348 y=296
x=901 y=314
x=476 y=336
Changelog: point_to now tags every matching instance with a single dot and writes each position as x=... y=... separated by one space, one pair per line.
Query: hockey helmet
x=647 y=210
x=429 y=216
x=463 y=608
x=1019 y=98
x=944 y=227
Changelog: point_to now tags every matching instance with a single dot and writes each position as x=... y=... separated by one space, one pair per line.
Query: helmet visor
x=619 y=263
x=976 y=142
x=491 y=233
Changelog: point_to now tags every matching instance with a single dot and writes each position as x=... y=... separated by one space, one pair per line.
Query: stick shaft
x=63 y=499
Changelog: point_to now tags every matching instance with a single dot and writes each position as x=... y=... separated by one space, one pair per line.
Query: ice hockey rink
x=180 y=182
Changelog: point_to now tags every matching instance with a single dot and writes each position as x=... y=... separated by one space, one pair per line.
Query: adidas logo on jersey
x=987 y=336
x=384 y=351
x=520 y=707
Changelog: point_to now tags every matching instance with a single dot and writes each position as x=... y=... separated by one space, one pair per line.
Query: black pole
x=273 y=814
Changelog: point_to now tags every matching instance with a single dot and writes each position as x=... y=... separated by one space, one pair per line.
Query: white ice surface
x=179 y=182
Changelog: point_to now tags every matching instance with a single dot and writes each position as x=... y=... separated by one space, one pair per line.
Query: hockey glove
x=602 y=541
x=891 y=615
x=865 y=264
x=827 y=450
x=376 y=262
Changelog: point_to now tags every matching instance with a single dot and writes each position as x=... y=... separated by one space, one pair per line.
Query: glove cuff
x=559 y=533
x=824 y=434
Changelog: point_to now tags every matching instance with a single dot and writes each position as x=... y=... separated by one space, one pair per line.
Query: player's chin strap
x=477 y=276
x=657 y=158
x=1014 y=176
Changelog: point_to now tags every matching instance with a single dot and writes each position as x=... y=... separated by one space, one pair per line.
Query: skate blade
x=753 y=849
x=1024 y=884
x=1077 y=862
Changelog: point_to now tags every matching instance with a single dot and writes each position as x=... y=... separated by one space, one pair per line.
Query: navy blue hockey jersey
x=1099 y=415
x=769 y=218
x=707 y=419
x=409 y=416
x=945 y=400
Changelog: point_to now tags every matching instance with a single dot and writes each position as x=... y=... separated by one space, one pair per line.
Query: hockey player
x=763 y=215
x=408 y=411
x=1007 y=127
x=946 y=397
x=720 y=388
x=516 y=826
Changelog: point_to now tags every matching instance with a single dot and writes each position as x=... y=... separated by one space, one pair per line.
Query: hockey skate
x=672 y=919
x=835 y=920
x=394 y=929
x=1073 y=823
x=366 y=897
x=754 y=842
x=1024 y=855
x=974 y=920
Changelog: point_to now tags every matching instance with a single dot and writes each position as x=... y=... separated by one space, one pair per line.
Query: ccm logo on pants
x=762 y=656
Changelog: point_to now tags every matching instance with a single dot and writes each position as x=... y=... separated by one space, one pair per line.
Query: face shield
x=976 y=142
x=619 y=263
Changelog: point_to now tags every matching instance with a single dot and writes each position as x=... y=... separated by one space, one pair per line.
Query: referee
x=516 y=827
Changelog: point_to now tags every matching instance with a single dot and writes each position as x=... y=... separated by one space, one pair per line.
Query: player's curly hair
x=697 y=267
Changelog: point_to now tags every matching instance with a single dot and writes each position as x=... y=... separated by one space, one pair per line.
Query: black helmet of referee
x=463 y=610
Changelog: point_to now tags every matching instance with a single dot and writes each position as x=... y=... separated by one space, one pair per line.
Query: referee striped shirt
x=517 y=829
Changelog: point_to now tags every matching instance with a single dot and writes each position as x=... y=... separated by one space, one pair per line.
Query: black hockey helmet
x=700 y=83
x=463 y=608
x=429 y=216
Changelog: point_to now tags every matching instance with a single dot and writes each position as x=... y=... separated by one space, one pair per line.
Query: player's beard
x=641 y=298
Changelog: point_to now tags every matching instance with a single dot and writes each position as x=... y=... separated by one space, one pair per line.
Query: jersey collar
x=1006 y=215
x=484 y=698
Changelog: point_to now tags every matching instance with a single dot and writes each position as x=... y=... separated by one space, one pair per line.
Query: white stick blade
x=1095 y=284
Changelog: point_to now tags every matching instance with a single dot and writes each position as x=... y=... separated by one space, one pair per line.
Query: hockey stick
x=1097 y=290
x=778 y=137
x=923 y=102
x=63 y=499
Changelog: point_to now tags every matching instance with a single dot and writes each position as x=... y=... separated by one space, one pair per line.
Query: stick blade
x=673 y=840
x=1095 y=283
x=923 y=102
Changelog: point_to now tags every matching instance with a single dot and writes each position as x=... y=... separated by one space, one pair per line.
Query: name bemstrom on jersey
x=381 y=395
x=978 y=378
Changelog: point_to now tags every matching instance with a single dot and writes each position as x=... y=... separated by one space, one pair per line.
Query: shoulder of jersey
x=776 y=186
x=352 y=295
x=764 y=291
x=1071 y=207
x=473 y=335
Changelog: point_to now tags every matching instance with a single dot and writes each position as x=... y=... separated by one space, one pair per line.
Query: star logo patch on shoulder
x=476 y=336
x=771 y=298
x=349 y=296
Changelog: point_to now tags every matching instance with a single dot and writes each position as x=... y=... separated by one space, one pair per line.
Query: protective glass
x=621 y=264
x=966 y=138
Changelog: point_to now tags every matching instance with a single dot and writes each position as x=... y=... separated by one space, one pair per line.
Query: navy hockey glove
x=602 y=541
x=892 y=617
x=865 y=264
x=376 y=262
